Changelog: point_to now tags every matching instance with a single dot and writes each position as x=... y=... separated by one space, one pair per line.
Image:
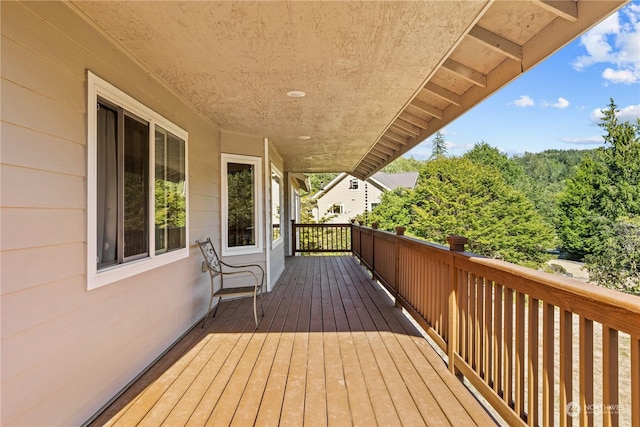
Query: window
x=136 y=192
x=353 y=184
x=241 y=207
x=336 y=209
x=276 y=204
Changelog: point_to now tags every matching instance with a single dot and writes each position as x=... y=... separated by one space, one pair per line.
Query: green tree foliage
x=394 y=209
x=320 y=180
x=605 y=188
x=458 y=196
x=486 y=155
x=616 y=264
x=403 y=164
x=439 y=147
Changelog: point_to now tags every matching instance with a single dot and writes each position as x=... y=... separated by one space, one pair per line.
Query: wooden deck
x=331 y=350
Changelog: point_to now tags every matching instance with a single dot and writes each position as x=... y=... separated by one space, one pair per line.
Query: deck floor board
x=331 y=350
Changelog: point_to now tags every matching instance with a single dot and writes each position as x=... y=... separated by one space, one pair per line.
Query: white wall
x=353 y=201
x=65 y=350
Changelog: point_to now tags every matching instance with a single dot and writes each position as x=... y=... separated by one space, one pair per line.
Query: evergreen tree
x=605 y=188
x=439 y=147
x=457 y=196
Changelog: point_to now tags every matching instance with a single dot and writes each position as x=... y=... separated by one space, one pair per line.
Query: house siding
x=353 y=201
x=67 y=351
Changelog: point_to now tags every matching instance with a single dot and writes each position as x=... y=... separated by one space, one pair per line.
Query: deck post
x=396 y=277
x=374 y=227
x=293 y=237
x=456 y=244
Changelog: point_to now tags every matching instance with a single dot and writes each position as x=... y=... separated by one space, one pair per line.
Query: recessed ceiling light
x=296 y=94
x=305 y=137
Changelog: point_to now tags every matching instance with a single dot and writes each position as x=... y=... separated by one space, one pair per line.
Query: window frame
x=275 y=171
x=99 y=88
x=256 y=162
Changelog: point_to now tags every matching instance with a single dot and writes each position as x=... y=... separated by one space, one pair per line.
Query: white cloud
x=588 y=140
x=630 y=113
x=561 y=104
x=614 y=41
x=524 y=101
x=621 y=76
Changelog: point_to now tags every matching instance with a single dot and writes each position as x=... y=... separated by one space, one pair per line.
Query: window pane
x=107 y=187
x=241 y=208
x=136 y=177
x=276 y=197
x=170 y=199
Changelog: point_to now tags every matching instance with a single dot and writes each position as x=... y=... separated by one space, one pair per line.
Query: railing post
x=396 y=280
x=374 y=227
x=456 y=244
x=293 y=237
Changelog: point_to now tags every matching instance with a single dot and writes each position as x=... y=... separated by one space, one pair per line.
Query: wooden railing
x=320 y=237
x=541 y=349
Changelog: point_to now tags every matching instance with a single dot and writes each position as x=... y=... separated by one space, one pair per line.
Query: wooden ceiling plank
x=445 y=94
x=466 y=72
x=395 y=138
x=496 y=42
x=428 y=109
x=567 y=9
x=414 y=120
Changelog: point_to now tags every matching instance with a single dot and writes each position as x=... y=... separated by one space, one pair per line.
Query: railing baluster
x=610 y=376
x=532 y=356
x=520 y=363
x=548 y=352
x=566 y=367
x=497 y=340
x=508 y=347
x=586 y=372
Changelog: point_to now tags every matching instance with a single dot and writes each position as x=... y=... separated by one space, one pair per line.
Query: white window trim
x=279 y=240
x=256 y=162
x=98 y=87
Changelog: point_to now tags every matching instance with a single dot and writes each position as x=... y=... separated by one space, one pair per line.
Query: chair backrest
x=210 y=255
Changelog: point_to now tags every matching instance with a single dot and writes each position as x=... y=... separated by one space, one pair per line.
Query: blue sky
x=557 y=103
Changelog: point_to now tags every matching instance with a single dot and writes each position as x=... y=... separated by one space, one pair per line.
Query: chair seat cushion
x=241 y=290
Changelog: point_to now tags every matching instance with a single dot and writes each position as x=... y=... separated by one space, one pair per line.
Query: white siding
x=353 y=201
x=66 y=351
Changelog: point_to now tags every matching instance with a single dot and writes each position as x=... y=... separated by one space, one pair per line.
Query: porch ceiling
x=379 y=77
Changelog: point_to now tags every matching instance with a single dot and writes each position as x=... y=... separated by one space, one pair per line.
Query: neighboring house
x=132 y=129
x=347 y=196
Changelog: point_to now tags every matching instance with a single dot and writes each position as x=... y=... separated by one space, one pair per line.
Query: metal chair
x=217 y=267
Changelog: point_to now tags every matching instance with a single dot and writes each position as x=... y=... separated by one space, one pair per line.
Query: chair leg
x=255 y=311
x=210 y=303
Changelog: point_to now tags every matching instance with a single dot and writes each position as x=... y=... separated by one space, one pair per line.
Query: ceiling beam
x=369 y=163
x=467 y=73
x=395 y=137
x=377 y=155
x=496 y=42
x=389 y=144
x=443 y=93
x=567 y=10
x=414 y=120
x=407 y=128
x=382 y=149
x=428 y=109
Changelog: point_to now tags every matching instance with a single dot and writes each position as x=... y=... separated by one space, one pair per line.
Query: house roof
x=394 y=180
x=379 y=77
x=383 y=181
